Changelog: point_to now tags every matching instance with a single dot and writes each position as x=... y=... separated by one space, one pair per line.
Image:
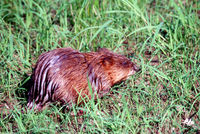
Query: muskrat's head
x=116 y=66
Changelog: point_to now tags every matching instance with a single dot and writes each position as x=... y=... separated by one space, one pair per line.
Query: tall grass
x=162 y=36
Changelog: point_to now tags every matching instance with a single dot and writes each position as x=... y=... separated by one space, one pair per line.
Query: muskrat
x=64 y=75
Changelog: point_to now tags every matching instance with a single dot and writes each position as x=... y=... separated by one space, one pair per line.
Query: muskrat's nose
x=136 y=68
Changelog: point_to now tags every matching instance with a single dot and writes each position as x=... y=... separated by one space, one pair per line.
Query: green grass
x=163 y=36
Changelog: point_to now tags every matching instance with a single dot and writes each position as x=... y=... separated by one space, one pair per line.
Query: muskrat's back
x=62 y=75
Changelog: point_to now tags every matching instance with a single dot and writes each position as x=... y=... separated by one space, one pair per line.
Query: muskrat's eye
x=125 y=63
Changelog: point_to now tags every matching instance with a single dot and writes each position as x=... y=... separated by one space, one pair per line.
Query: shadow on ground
x=22 y=90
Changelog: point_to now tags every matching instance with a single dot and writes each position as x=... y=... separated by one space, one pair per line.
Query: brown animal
x=63 y=75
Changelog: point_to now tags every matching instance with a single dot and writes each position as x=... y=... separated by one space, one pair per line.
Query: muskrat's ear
x=103 y=50
x=107 y=61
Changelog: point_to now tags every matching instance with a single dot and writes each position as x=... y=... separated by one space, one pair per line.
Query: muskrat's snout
x=136 y=68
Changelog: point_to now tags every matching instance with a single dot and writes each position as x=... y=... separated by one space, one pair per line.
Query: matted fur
x=62 y=75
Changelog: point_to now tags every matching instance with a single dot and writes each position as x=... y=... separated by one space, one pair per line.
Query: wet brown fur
x=62 y=75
